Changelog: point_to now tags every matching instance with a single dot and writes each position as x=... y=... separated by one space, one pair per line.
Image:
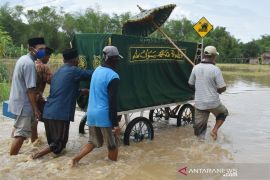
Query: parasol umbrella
x=149 y=21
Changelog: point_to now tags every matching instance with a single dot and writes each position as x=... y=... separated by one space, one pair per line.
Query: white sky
x=244 y=19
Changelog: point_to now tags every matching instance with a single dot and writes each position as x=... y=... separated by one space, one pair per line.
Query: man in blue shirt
x=59 y=109
x=102 y=112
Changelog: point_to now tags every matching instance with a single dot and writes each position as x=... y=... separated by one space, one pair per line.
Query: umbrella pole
x=174 y=45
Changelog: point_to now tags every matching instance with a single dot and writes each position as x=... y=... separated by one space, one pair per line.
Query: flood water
x=244 y=138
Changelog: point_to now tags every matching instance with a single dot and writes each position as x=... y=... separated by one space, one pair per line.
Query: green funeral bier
x=152 y=72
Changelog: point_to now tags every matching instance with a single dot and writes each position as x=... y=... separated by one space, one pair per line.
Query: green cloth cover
x=151 y=73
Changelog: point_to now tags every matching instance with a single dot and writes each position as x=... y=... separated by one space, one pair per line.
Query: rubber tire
x=151 y=114
x=181 y=111
x=83 y=122
x=133 y=123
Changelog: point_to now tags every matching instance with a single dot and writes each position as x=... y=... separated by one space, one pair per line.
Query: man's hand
x=221 y=90
x=37 y=114
x=192 y=87
x=32 y=95
x=116 y=130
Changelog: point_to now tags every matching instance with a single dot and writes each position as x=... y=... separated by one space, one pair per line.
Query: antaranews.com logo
x=235 y=171
x=209 y=171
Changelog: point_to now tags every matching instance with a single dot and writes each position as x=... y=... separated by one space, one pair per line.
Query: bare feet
x=44 y=151
x=214 y=135
x=73 y=163
x=35 y=155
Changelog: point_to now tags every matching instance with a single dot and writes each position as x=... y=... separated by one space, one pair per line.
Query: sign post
x=203 y=27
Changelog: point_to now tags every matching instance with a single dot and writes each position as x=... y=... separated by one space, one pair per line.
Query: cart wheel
x=137 y=130
x=159 y=114
x=83 y=125
x=186 y=115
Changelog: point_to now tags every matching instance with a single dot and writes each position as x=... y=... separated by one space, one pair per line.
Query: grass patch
x=245 y=70
x=4 y=91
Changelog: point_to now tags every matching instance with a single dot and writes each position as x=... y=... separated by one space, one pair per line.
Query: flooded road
x=244 y=138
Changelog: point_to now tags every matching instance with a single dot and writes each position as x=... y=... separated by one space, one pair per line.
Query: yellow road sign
x=203 y=27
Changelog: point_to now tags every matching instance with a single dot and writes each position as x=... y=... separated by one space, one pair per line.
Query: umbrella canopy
x=145 y=23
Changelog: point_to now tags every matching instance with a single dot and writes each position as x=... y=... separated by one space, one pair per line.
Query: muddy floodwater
x=244 y=138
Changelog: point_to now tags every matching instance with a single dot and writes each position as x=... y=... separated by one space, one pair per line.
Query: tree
x=251 y=49
x=226 y=44
x=5 y=41
x=12 y=23
x=46 y=22
x=264 y=43
x=57 y=27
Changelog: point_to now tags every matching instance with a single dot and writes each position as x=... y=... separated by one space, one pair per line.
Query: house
x=254 y=61
x=266 y=58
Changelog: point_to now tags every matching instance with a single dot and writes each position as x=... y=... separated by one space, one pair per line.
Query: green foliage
x=5 y=41
x=3 y=73
x=4 y=87
x=45 y=22
x=181 y=30
x=58 y=26
x=11 y=21
x=4 y=93
x=226 y=44
x=264 y=44
x=251 y=49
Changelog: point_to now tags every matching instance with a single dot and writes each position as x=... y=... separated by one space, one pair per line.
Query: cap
x=48 y=51
x=210 y=50
x=35 y=41
x=70 y=54
x=110 y=51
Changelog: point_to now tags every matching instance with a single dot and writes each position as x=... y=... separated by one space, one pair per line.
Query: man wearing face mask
x=22 y=99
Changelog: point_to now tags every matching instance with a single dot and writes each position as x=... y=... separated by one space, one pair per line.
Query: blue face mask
x=40 y=53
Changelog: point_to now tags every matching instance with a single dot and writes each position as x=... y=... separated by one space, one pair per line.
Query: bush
x=13 y=51
x=4 y=93
x=4 y=87
x=3 y=73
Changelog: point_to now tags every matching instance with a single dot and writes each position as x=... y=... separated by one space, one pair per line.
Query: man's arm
x=48 y=75
x=220 y=83
x=192 y=79
x=30 y=78
x=112 y=92
x=81 y=74
x=32 y=94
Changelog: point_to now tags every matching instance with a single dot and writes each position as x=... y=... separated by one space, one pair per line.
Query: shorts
x=57 y=132
x=23 y=126
x=97 y=135
x=201 y=118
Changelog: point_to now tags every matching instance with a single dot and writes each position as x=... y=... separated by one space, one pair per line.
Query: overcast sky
x=244 y=19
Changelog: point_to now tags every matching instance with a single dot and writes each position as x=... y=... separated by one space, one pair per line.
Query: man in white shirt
x=22 y=97
x=208 y=82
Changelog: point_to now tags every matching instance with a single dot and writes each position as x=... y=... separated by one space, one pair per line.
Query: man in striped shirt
x=208 y=82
